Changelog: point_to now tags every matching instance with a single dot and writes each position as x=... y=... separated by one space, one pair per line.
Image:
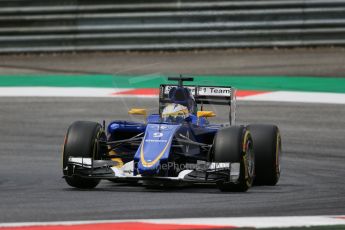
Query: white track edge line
x=275 y=96
x=256 y=222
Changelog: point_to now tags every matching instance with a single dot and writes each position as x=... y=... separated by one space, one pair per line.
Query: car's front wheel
x=80 y=141
x=234 y=144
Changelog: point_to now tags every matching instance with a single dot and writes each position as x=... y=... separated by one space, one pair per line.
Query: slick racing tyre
x=234 y=144
x=267 y=149
x=80 y=141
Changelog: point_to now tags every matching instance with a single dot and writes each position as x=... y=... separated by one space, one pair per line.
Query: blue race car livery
x=178 y=145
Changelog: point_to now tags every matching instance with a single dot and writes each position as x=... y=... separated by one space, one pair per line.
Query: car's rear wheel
x=267 y=148
x=234 y=144
x=80 y=141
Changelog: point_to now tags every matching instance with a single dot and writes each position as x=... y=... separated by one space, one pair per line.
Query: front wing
x=201 y=172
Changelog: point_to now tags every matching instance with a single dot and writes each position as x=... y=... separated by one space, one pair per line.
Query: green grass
x=264 y=83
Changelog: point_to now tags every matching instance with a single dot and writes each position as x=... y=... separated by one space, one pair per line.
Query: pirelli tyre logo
x=204 y=90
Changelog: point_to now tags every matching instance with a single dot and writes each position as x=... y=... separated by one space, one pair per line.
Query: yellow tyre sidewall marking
x=244 y=150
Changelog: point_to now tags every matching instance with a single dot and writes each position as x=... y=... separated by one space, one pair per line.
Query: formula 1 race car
x=178 y=145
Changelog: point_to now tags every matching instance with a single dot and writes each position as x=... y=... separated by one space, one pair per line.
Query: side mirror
x=137 y=111
x=205 y=114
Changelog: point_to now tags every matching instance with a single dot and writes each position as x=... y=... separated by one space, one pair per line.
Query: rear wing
x=212 y=95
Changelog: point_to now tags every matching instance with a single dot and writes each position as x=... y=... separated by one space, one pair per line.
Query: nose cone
x=155 y=148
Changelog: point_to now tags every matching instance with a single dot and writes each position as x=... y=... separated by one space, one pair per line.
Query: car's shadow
x=194 y=188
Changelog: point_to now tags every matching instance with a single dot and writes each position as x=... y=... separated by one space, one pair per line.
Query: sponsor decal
x=204 y=90
x=214 y=91
x=156 y=141
x=157 y=135
x=157 y=127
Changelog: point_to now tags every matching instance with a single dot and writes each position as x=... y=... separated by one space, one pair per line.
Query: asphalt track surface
x=31 y=187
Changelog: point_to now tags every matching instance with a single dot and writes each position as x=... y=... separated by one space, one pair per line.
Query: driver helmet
x=183 y=96
x=175 y=113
